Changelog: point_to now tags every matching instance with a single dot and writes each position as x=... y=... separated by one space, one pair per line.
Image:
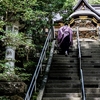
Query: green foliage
x=94 y=1
x=33 y=11
x=11 y=39
x=21 y=52
x=29 y=66
x=25 y=76
x=33 y=17
x=9 y=77
x=26 y=72
x=2 y=66
x=4 y=98
x=2 y=23
x=67 y=10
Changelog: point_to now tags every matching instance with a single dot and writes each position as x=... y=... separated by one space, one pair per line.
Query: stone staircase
x=63 y=79
x=91 y=68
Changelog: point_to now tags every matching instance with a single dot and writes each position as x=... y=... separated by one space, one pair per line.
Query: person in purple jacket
x=65 y=38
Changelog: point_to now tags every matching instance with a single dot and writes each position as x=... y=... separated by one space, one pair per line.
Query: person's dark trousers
x=65 y=44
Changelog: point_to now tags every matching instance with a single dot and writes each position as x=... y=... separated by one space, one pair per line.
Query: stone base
x=14 y=97
x=12 y=88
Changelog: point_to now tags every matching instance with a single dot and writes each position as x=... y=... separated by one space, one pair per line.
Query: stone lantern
x=10 y=52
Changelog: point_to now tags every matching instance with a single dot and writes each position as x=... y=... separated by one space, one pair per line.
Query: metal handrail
x=81 y=72
x=32 y=85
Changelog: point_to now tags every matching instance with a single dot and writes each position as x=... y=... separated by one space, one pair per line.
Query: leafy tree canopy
x=94 y=1
x=34 y=13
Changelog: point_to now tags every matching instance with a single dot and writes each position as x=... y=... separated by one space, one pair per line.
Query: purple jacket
x=66 y=31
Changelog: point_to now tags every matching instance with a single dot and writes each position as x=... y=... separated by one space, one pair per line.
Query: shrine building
x=86 y=17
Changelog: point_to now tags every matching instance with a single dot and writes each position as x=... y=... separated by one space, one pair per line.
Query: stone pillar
x=28 y=42
x=10 y=51
x=10 y=60
x=11 y=85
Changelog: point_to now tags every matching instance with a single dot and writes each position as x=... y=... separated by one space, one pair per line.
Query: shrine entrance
x=86 y=26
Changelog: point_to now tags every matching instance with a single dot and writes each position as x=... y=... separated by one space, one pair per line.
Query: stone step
x=63 y=76
x=97 y=60
x=91 y=85
x=91 y=49
x=91 y=74
x=69 y=61
x=74 y=85
x=75 y=65
x=86 y=71
x=92 y=98
x=95 y=51
x=69 y=81
x=62 y=54
x=64 y=63
x=64 y=81
x=62 y=94
x=72 y=62
x=90 y=52
x=64 y=70
x=62 y=90
x=62 y=85
x=74 y=69
x=88 y=82
x=94 y=83
x=95 y=65
x=91 y=59
x=91 y=78
x=65 y=60
x=92 y=90
x=72 y=90
x=91 y=56
x=93 y=95
x=71 y=56
x=91 y=66
x=62 y=98
x=90 y=46
x=65 y=66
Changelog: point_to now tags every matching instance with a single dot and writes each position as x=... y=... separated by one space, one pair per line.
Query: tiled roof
x=93 y=10
x=86 y=12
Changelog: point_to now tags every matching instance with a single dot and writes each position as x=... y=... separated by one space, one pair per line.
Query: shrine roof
x=93 y=8
x=83 y=8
